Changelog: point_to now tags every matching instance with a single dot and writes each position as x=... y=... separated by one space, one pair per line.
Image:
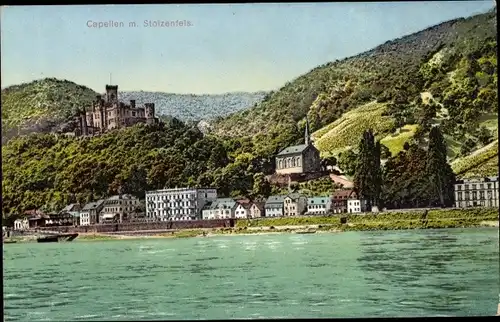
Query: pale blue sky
x=240 y=47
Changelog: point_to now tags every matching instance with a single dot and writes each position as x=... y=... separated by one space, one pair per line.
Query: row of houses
x=115 y=209
x=196 y=203
x=203 y=203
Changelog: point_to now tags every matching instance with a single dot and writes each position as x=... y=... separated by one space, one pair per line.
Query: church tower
x=307 y=137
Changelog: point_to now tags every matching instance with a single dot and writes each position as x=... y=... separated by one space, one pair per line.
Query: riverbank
x=434 y=219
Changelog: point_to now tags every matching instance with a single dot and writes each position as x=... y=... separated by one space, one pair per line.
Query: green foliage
x=41 y=105
x=345 y=132
x=467 y=147
x=485 y=155
x=46 y=170
x=395 y=142
x=404 y=185
x=321 y=187
x=367 y=175
x=438 y=172
x=484 y=135
x=347 y=161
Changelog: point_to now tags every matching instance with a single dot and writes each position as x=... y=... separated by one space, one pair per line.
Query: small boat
x=10 y=241
x=55 y=238
x=48 y=239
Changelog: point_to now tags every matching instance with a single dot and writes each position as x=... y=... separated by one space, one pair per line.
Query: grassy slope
x=481 y=162
x=396 y=141
x=345 y=131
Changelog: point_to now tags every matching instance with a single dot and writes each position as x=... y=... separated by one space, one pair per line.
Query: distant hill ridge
x=193 y=107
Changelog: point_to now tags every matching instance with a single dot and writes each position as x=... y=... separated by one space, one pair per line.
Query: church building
x=303 y=158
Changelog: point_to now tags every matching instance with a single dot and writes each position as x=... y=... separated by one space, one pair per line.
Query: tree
x=385 y=153
x=438 y=171
x=367 y=176
x=261 y=187
x=484 y=135
x=467 y=147
x=347 y=162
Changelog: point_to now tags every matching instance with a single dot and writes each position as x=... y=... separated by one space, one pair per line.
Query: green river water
x=451 y=272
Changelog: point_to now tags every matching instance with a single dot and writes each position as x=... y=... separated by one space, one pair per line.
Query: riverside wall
x=104 y=228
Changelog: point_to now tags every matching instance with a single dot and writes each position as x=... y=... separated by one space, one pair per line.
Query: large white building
x=178 y=203
x=478 y=192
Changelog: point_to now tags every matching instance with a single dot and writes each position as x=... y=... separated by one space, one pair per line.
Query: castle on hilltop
x=109 y=113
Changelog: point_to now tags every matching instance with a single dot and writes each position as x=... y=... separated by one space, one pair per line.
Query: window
x=473 y=187
x=460 y=196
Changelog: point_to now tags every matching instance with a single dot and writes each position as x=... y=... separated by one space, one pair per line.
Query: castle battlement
x=108 y=113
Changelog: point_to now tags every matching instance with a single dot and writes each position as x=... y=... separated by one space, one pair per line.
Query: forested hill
x=41 y=106
x=452 y=65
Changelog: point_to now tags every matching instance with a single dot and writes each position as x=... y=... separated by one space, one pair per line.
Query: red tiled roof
x=343 y=194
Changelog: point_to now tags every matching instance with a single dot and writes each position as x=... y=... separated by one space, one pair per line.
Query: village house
x=274 y=206
x=318 y=206
x=356 y=206
x=257 y=209
x=222 y=208
x=118 y=208
x=339 y=200
x=208 y=210
x=477 y=192
x=242 y=209
x=89 y=215
x=36 y=218
x=294 y=204
x=21 y=224
x=73 y=210
x=302 y=158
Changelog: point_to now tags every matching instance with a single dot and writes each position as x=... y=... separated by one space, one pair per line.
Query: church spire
x=307 y=137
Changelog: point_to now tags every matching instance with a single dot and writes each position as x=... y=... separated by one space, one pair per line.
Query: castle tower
x=149 y=112
x=85 y=130
x=307 y=137
x=102 y=112
x=112 y=93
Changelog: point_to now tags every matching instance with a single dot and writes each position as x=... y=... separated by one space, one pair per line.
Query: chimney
x=132 y=103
